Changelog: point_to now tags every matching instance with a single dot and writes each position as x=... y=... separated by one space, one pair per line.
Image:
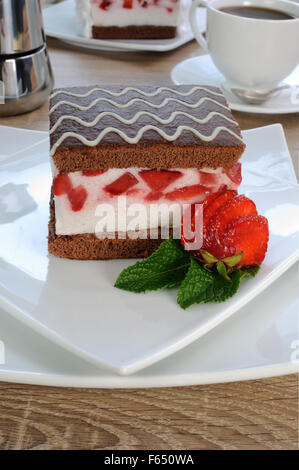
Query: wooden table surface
x=259 y=414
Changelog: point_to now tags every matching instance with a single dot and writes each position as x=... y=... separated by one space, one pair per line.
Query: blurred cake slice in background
x=129 y=19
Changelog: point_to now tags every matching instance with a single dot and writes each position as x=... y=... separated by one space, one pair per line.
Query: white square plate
x=75 y=304
x=61 y=22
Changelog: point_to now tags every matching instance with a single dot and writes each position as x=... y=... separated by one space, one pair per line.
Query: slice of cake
x=129 y=19
x=130 y=148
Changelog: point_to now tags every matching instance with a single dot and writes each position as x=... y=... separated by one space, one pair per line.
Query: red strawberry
x=121 y=185
x=61 y=184
x=211 y=204
x=208 y=179
x=236 y=207
x=210 y=207
x=188 y=192
x=234 y=173
x=94 y=173
x=105 y=4
x=77 y=198
x=158 y=180
x=248 y=234
x=231 y=226
x=128 y=4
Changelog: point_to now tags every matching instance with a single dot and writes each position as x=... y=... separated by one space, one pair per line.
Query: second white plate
x=261 y=342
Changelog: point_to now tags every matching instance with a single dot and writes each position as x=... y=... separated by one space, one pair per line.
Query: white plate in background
x=61 y=22
x=74 y=303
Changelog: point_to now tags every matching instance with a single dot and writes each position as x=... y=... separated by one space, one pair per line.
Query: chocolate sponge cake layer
x=134 y=32
x=162 y=156
x=93 y=128
x=89 y=247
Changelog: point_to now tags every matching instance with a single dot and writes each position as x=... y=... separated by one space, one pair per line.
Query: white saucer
x=61 y=23
x=202 y=71
x=265 y=348
x=74 y=303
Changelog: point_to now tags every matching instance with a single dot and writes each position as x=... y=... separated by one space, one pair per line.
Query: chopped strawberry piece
x=77 y=198
x=94 y=173
x=250 y=235
x=208 y=179
x=170 y=10
x=153 y=196
x=122 y=184
x=234 y=173
x=158 y=180
x=188 y=192
x=61 y=184
x=138 y=193
x=128 y=4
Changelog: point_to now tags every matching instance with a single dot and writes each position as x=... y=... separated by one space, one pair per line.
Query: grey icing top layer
x=129 y=113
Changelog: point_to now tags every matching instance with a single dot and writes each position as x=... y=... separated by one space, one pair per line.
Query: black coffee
x=257 y=13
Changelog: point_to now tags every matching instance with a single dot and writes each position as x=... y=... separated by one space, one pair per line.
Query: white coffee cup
x=253 y=54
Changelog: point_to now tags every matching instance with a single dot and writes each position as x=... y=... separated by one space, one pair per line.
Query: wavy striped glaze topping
x=135 y=118
x=136 y=100
x=137 y=137
x=157 y=92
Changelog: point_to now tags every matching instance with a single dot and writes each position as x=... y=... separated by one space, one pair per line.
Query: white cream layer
x=87 y=219
x=90 y=14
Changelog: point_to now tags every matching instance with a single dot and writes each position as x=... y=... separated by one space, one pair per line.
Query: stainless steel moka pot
x=25 y=72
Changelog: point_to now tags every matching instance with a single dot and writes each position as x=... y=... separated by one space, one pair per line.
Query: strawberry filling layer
x=78 y=195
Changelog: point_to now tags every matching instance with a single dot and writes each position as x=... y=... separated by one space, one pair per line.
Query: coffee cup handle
x=192 y=17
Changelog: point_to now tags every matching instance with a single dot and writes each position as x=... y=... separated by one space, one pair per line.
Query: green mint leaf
x=166 y=267
x=195 y=284
x=250 y=271
x=201 y=286
x=221 y=289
